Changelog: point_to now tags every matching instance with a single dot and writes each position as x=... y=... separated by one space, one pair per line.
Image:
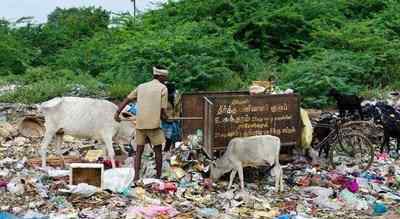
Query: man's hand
x=120 y=108
x=164 y=116
x=116 y=117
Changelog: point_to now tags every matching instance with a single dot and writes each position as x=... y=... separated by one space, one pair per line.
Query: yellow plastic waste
x=93 y=155
x=307 y=130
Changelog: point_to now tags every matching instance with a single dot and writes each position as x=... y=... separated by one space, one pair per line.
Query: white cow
x=249 y=151
x=83 y=117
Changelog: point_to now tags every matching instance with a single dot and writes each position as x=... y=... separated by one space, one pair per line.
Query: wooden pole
x=134 y=9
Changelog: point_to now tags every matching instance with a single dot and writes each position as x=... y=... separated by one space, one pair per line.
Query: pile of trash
x=185 y=190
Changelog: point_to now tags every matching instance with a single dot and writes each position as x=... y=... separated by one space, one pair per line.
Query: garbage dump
x=185 y=190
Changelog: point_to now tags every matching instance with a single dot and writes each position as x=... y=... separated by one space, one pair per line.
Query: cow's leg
x=278 y=178
x=281 y=180
x=48 y=136
x=107 y=139
x=239 y=168
x=59 y=141
x=231 y=178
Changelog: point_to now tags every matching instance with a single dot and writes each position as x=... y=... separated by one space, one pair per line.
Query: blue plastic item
x=285 y=216
x=5 y=215
x=132 y=108
x=379 y=208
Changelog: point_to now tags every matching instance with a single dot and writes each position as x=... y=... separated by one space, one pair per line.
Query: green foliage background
x=308 y=45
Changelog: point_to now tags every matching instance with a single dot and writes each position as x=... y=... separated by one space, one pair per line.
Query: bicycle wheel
x=342 y=141
x=355 y=150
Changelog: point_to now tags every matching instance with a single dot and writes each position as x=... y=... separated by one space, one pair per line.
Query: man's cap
x=162 y=72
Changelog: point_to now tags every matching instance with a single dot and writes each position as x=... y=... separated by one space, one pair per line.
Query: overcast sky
x=14 y=9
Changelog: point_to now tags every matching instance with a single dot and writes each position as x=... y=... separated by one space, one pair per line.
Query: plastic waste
x=4 y=172
x=21 y=164
x=207 y=183
x=15 y=186
x=5 y=215
x=60 y=202
x=149 y=181
x=34 y=215
x=165 y=187
x=58 y=173
x=3 y=183
x=207 y=212
x=352 y=201
x=379 y=208
x=72 y=215
x=118 y=179
x=322 y=199
x=352 y=185
x=107 y=163
x=307 y=131
x=42 y=190
x=150 y=212
x=83 y=189
x=285 y=216
x=94 y=155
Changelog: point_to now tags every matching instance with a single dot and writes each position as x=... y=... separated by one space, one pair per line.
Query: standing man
x=151 y=98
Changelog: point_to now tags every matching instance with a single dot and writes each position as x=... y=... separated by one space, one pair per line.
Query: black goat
x=345 y=102
x=389 y=118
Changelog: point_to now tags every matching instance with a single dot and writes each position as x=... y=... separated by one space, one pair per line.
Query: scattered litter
x=118 y=179
x=184 y=190
x=207 y=212
x=82 y=189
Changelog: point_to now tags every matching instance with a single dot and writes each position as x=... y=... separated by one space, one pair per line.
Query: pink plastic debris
x=382 y=156
x=352 y=185
x=151 y=212
x=3 y=183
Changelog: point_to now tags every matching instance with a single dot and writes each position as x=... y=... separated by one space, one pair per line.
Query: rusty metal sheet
x=245 y=115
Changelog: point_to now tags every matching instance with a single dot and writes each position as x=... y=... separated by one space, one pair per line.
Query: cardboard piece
x=90 y=173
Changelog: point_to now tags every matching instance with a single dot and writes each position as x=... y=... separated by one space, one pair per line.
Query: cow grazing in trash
x=83 y=117
x=249 y=151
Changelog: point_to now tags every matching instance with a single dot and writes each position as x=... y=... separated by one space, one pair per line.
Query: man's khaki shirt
x=151 y=97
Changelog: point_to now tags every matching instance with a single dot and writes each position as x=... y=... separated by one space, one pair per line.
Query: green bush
x=119 y=91
x=313 y=77
x=42 y=83
x=309 y=45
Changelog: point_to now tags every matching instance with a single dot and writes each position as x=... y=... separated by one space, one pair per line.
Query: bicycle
x=344 y=145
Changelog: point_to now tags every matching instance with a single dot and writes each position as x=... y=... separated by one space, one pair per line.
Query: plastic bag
x=15 y=186
x=379 y=208
x=83 y=189
x=5 y=215
x=352 y=201
x=307 y=132
x=207 y=212
x=323 y=200
x=150 y=212
x=118 y=179
x=34 y=215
